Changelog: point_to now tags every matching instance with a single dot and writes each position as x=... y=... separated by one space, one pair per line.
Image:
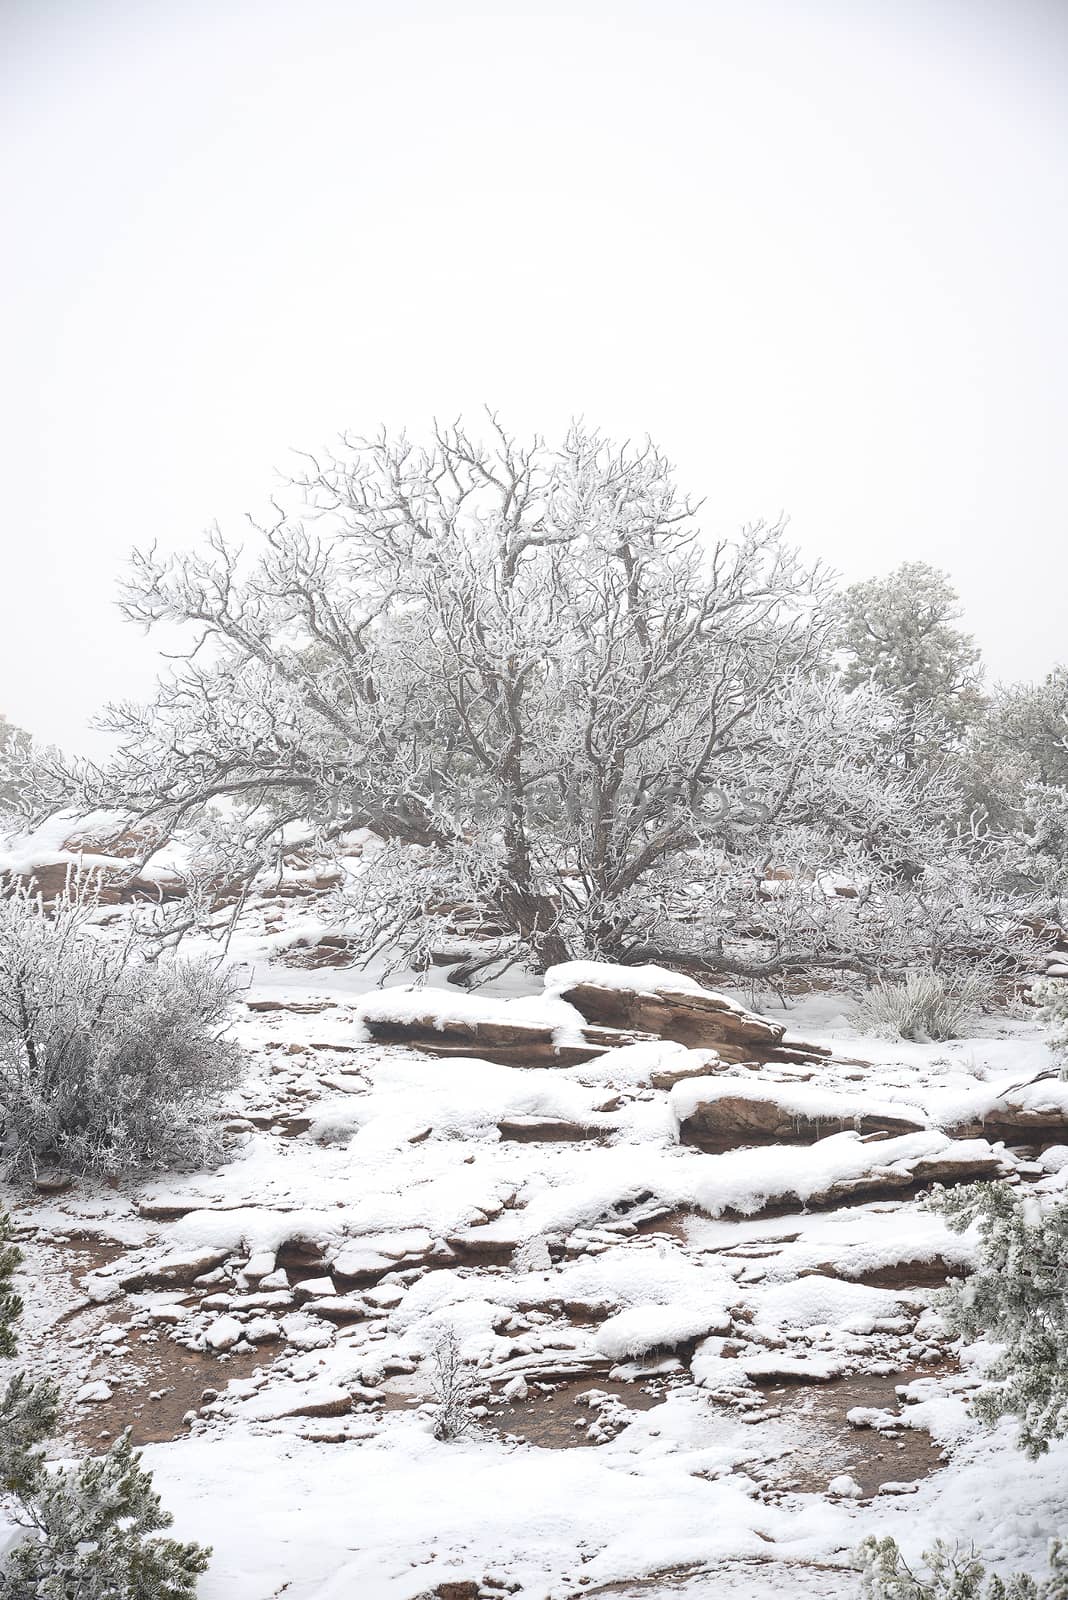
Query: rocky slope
x=691 y=1280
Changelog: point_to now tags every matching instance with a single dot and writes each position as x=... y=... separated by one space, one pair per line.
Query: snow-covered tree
x=1016 y=755
x=107 y=1062
x=10 y=1304
x=1030 y=720
x=559 y=706
x=89 y=1531
x=949 y=1574
x=853 y=870
x=28 y=1416
x=1034 y=829
x=899 y=633
x=1017 y=1296
x=15 y=748
x=1015 y=782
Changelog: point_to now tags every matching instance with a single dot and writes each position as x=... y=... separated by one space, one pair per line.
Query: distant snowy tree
x=108 y=1063
x=1031 y=721
x=560 y=707
x=1018 y=1297
x=15 y=747
x=35 y=779
x=1051 y=994
x=1014 y=776
x=899 y=633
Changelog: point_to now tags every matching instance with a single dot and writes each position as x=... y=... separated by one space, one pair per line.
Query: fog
x=818 y=252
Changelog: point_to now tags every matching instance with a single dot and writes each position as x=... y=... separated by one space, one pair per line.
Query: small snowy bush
x=1018 y=1297
x=922 y=1008
x=454 y=1390
x=87 y=1529
x=948 y=1575
x=108 y=1063
x=10 y=1304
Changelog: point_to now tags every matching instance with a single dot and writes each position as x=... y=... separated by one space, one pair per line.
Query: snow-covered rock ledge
x=724 y=1112
x=587 y=1008
x=535 y=1031
x=674 y=1007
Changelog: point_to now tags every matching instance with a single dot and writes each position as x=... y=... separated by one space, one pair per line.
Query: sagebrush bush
x=108 y=1063
x=923 y=1007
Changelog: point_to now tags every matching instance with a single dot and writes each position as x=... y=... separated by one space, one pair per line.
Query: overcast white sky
x=818 y=251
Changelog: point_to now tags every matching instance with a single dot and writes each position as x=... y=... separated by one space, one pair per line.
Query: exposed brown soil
x=177 y=1375
x=76 y=1255
x=808 y=1579
x=834 y=1446
x=146 y=1363
x=548 y=1419
x=667 y=1578
x=82 y=1252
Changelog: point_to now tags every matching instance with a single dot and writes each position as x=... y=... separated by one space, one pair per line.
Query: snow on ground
x=675 y=1353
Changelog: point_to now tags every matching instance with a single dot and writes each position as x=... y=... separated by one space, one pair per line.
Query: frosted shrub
x=108 y=1063
x=949 y=1575
x=1018 y=1297
x=923 y=1007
